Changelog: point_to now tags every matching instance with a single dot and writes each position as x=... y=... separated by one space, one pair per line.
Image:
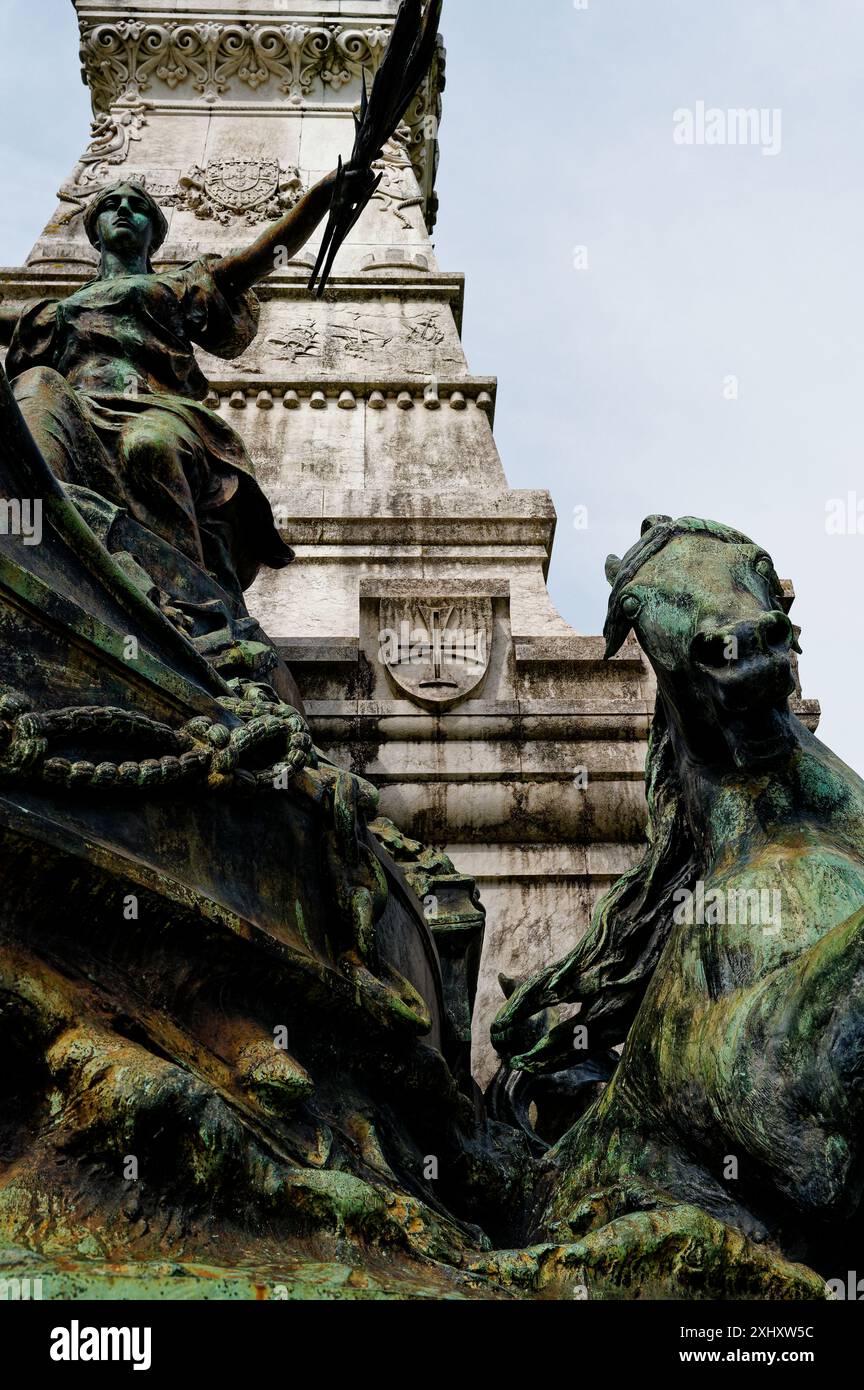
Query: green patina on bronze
x=236 y=1004
x=153 y=1038
x=210 y=967
x=110 y=389
x=743 y=1032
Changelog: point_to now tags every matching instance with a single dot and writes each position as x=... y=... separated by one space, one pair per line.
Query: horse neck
x=811 y=794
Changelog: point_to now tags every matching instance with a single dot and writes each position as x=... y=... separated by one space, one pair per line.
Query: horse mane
x=611 y=968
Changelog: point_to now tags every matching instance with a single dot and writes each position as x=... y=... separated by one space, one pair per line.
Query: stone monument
x=374 y=443
x=236 y=1000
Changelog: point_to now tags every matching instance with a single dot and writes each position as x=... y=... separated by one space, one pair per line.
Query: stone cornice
x=125 y=59
x=292 y=63
x=55 y=278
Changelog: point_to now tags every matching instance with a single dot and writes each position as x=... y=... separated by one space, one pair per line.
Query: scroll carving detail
x=297 y=64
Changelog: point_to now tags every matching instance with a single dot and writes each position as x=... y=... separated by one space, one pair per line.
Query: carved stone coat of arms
x=436 y=650
x=258 y=190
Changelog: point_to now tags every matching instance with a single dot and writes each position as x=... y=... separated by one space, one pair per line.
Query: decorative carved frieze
x=397 y=191
x=287 y=64
x=226 y=190
x=416 y=340
x=112 y=133
x=123 y=58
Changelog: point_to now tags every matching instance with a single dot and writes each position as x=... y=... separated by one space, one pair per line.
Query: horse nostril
x=768 y=634
x=775 y=630
x=712 y=648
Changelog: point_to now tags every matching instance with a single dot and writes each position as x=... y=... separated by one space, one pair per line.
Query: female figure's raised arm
x=241 y=270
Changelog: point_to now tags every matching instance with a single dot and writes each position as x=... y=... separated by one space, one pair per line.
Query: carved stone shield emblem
x=257 y=190
x=436 y=650
x=241 y=184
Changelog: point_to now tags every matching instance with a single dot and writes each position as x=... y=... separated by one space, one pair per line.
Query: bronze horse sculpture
x=730 y=962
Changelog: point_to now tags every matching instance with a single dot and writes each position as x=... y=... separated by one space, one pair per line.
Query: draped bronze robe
x=108 y=383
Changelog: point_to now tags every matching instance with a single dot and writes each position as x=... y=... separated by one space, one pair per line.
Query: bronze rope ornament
x=202 y=753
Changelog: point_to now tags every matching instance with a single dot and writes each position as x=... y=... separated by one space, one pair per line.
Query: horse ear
x=651 y=521
x=616 y=632
x=613 y=568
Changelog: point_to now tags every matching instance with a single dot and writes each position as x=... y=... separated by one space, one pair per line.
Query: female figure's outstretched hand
x=239 y=271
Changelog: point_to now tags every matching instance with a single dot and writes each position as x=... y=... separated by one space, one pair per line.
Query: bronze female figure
x=109 y=386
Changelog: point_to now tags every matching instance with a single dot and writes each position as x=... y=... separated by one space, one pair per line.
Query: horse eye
x=765 y=567
x=630 y=605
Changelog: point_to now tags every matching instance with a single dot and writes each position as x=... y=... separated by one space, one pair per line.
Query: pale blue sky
x=703 y=263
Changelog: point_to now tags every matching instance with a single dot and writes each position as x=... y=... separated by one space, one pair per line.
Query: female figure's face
x=124 y=223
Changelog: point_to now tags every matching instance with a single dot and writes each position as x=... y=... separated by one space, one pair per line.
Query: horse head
x=709 y=612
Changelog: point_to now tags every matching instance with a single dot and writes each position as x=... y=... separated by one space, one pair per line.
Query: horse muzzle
x=746 y=669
